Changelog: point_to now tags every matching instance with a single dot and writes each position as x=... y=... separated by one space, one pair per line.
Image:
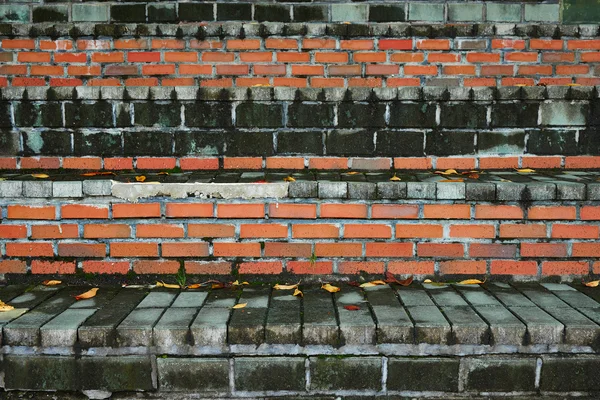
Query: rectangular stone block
x=496 y=374
x=345 y=373
x=116 y=374
x=562 y=113
x=11 y=188
x=569 y=374
x=426 y=12
x=34 y=372
x=259 y=374
x=503 y=12
x=89 y=12
x=37 y=189
x=414 y=374
x=97 y=187
x=349 y=12
x=67 y=189
x=581 y=11
x=193 y=374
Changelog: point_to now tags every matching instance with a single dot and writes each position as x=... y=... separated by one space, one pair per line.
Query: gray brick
x=503 y=12
x=11 y=188
x=426 y=12
x=569 y=374
x=593 y=191
x=415 y=374
x=542 y=12
x=420 y=190
x=561 y=113
x=362 y=190
x=450 y=190
x=14 y=13
x=351 y=373
x=37 y=189
x=506 y=191
x=465 y=12
x=269 y=373
x=333 y=190
x=540 y=191
x=193 y=374
x=500 y=374
x=89 y=12
x=67 y=189
x=303 y=189
x=480 y=191
x=391 y=190
x=97 y=187
x=349 y=12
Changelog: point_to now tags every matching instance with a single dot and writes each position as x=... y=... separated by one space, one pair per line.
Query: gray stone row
x=232 y=29
x=56 y=189
x=175 y=322
x=300 y=375
x=425 y=93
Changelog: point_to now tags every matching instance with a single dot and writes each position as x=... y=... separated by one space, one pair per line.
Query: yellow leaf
x=395 y=178
x=140 y=178
x=238 y=283
x=453 y=180
x=427 y=281
x=298 y=293
x=471 y=282
x=573 y=84
x=194 y=286
x=51 y=283
x=525 y=170
x=447 y=172
x=591 y=284
x=285 y=287
x=167 y=285
x=372 y=283
x=163 y=173
x=98 y=173
x=2 y=179
x=330 y=288
x=289 y=179
x=240 y=305
x=40 y=176
x=353 y=173
x=261 y=85
x=505 y=180
x=87 y=295
x=5 y=307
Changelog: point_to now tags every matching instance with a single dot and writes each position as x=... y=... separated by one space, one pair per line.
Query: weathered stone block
x=463 y=115
x=38 y=114
x=258 y=115
x=160 y=115
x=147 y=143
x=519 y=114
x=193 y=374
x=357 y=115
x=500 y=375
x=562 y=113
x=549 y=142
x=269 y=373
x=33 y=372
x=415 y=374
x=115 y=374
x=399 y=144
x=300 y=142
x=345 y=373
x=355 y=143
x=301 y=115
x=208 y=115
x=387 y=13
x=444 y=143
x=569 y=374
x=46 y=143
x=97 y=143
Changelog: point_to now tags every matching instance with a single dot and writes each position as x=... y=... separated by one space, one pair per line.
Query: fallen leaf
x=395 y=178
x=298 y=293
x=505 y=180
x=163 y=173
x=217 y=286
x=453 y=180
x=471 y=282
x=40 y=176
x=353 y=173
x=526 y=170
x=5 y=307
x=391 y=278
x=591 y=284
x=51 y=283
x=87 y=295
x=126 y=286
x=140 y=178
x=240 y=305
x=473 y=176
x=285 y=287
x=98 y=173
x=167 y=285
x=260 y=181
x=261 y=85
x=330 y=288
x=573 y=84
x=2 y=179
x=447 y=172
x=194 y=286
x=238 y=283
x=427 y=281
x=372 y=283
x=289 y=179
x=352 y=307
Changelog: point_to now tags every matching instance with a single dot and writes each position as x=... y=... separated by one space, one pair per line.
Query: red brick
x=382 y=69
x=159 y=231
x=40 y=162
x=498 y=212
x=65 y=82
x=117 y=163
x=356 y=267
x=455 y=163
x=223 y=249
x=56 y=44
x=307 y=267
x=357 y=44
x=141 y=82
x=198 y=163
x=181 y=56
x=365 y=82
x=133 y=249
x=585 y=57
x=63 y=231
x=295 y=211
x=445 y=250
x=407 y=57
x=522 y=231
x=12 y=267
x=105 y=267
x=583 y=44
x=565 y=231
x=82 y=163
x=338 y=249
x=262 y=56
x=565 y=268
x=367 y=231
x=521 y=56
x=52 y=267
x=93 y=44
x=211 y=230
x=242 y=163
x=590 y=213
x=498 y=162
x=583 y=250
x=108 y=57
x=155 y=267
x=458 y=70
x=272 y=43
x=447 y=211
x=541 y=162
x=543 y=249
x=371 y=163
x=416 y=163
x=28 y=82
x=205 y=44
x=284 y=249
x=344 y=70
x=247 y=210
x=408 y=231
x=33 y=57
x=555 y=81
x=13 y=231
x=572 y=69
x=394 y=211
x=483 y=57
x=208 y=267
x=509 y=267
x=30 y=249
x=535 y=70
x=333 y=210
x=444 y=58
x=420 y=70
x=492 y=250
x=308 y=70
x=285 y=162
x=233 y=69
x=370 y=56
x=193 y=69
x=126 y=44
x=315 y=231
x=259 y=69
x=318 y=43
x=582 y=162
x=552 y=212
x=103 y=231
x=379 y=249
x=31 y=212
x=8 y=163
x=330 y=57
x=261 y=267
x=560 y=57
x=479 y=82
x=82 y=250
x=433 y=44
x=263 y=231
x=185 y=249
x=161 y=69
x=81 y=211
x=178 y=82
x=473 y=231
x=148 y=210
x=70 y=58
x=189 y=210
x=168 y=44
x=18 y=44
x=328 y=163
x=150 y=163
x=411 y=267
x=47 y=70
x=463 y=267
x=497 y=70
x=543 y=44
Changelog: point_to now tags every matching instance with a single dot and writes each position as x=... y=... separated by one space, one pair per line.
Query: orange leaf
x=330 y=288
x=352 y=307
x=453 y=180
x=194 y=286
x=87 y=295
x=51 y=282
x=98 y=173
x=140 y=178
x=240 y=305
x=5 y=307
x=391 y=278
x=40 y=176
x=591 y=284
